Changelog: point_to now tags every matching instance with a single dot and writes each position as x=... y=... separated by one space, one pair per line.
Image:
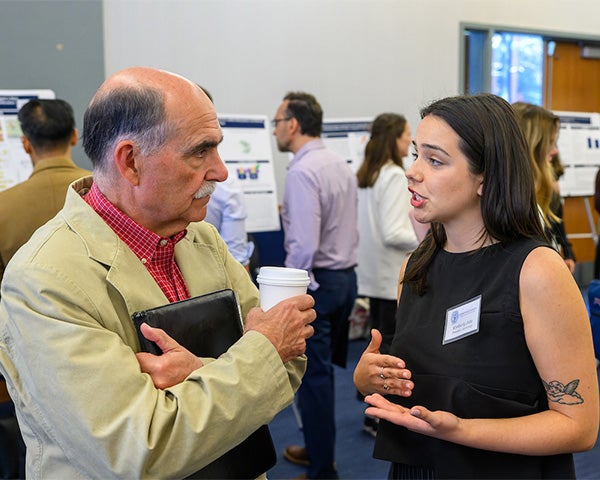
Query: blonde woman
x=541 y=129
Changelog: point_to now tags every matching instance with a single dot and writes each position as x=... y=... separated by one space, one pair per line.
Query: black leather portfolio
x=207 y=326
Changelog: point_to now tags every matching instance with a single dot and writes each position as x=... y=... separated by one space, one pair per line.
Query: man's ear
x=293 y=126
x=125 y=157
x=74 y=137
x=26 y=144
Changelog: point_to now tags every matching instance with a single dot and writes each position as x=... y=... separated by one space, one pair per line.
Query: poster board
x=15 y=164
x=246 y=151
x=579 y=147
x=348 y=137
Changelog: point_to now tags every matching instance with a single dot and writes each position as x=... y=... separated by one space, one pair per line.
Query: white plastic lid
x=282 y=276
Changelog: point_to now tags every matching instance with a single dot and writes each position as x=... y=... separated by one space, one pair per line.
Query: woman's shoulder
x=391 y=173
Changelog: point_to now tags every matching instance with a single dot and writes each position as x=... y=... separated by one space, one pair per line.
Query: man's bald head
x=138 y=103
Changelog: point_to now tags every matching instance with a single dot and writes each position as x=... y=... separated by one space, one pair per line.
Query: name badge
x=462 y=320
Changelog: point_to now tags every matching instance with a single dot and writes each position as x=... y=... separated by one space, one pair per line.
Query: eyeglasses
x=275 y=121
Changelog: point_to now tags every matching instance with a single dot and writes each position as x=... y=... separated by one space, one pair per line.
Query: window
x=518 y=67
x=508 y=64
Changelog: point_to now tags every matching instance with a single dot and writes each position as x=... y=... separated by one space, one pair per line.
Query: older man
x=89 y=404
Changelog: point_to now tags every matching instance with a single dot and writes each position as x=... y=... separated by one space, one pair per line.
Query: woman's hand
x=438 y=424
x=384 y=374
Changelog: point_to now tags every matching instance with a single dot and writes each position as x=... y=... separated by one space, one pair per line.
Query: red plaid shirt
x=155 y=252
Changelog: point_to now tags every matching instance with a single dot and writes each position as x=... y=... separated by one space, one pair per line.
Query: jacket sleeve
x=79 y=390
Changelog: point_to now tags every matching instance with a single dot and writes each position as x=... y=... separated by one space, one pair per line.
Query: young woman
x=491 y=372
x=541 y=129
x=386 y=234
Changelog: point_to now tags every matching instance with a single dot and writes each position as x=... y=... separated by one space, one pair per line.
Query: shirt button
x=163 y=242
x=144 y=261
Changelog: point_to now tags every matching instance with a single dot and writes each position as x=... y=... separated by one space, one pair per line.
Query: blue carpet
x=354 y=447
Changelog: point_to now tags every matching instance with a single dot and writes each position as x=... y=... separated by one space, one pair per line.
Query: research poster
x=15 y=164
x=348 y=137
x=246 y=151
x=579 y=147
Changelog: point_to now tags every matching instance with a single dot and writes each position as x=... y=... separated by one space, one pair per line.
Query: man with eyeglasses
x=319 y=218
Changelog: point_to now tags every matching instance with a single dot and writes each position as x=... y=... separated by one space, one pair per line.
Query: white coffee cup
x=278 y=283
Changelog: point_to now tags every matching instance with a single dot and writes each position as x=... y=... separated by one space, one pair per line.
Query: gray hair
x=134 y=113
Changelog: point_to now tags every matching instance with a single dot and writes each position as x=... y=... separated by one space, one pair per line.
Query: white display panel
x=246 y=151
x=15 y=164
x=579 y=147
x=348 y=137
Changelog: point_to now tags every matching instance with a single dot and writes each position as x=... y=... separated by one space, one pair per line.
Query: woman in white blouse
x=386 y=233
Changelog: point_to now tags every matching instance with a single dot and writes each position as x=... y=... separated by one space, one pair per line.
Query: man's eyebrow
x=195 y=149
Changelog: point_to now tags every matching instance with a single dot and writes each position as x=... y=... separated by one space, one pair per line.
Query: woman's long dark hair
x=492 y=141
x=381 y=147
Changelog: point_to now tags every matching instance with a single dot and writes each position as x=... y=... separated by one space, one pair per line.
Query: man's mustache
x=207 y=189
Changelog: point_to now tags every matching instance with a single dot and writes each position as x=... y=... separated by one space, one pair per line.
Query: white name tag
x=462 y=320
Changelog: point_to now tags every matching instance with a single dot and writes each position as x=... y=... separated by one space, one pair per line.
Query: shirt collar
x=143 y=242
x=315 y=144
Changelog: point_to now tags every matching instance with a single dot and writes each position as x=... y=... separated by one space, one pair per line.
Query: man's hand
x=170 y=368
x=286 y=325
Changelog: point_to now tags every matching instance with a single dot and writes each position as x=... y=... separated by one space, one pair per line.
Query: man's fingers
x=311 y=331
x=158 y=336
x=303 y=302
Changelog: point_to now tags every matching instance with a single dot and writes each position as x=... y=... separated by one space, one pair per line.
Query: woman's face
x=443 y=188
x=552 y=148
x=403 y=141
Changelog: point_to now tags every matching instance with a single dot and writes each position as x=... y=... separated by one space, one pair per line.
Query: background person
x=556 y=206
x=89 y=403
x=491 y=373
x=541 y=129
x=386 y=234
x=227 y=212
x=49 y=132
x=319 y=217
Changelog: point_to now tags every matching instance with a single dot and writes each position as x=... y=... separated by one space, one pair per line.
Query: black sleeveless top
x=488 y=374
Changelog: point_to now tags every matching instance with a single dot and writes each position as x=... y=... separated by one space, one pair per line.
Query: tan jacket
x=29 y=204
x=67 y=350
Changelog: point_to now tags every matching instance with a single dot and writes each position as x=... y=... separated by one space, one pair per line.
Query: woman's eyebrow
x=433 y=147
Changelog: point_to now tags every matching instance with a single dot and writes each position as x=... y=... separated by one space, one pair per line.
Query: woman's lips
x=416 y=200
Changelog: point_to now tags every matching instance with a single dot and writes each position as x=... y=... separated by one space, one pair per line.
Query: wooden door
x=571 y=84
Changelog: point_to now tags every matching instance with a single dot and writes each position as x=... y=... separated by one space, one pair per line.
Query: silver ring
x=385 y=386
x=381 y=375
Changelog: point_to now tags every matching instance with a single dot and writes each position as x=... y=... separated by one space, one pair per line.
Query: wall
x=359 y=57
x=57 y=45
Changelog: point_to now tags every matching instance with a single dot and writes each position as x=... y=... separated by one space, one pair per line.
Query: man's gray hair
x=134 y=113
